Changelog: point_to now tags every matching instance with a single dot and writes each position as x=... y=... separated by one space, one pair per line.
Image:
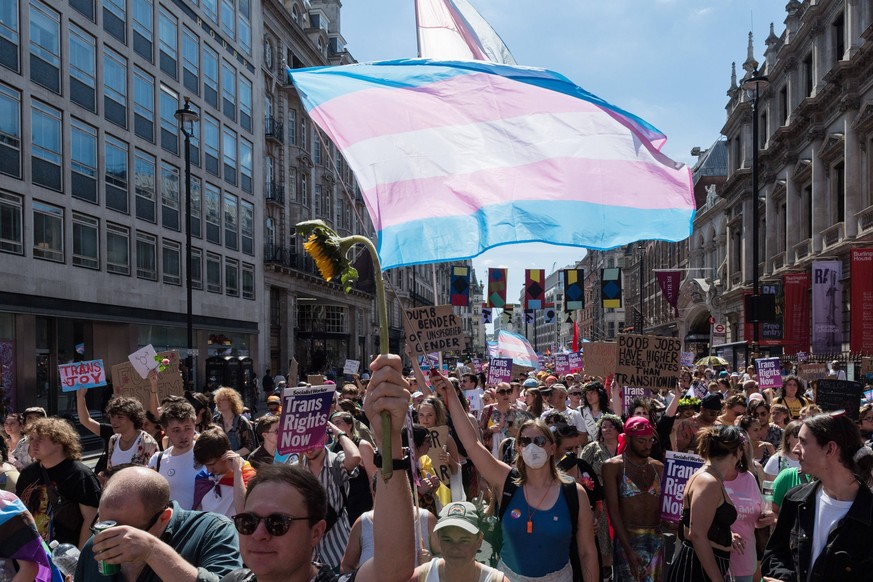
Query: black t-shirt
x=58 y=518
x=259 y=457
x=587 y=478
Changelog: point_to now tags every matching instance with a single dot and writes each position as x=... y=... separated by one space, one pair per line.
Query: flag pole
x=417 y=28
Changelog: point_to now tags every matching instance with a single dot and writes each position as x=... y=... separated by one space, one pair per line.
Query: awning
x=697 y=337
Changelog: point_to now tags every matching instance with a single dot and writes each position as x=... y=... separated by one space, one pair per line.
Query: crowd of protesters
x=546 y=478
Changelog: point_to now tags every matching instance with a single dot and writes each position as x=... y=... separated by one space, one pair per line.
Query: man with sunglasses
x=285 y=507
x=155 y=538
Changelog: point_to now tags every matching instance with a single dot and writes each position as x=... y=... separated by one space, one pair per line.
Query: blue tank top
x=544 y=551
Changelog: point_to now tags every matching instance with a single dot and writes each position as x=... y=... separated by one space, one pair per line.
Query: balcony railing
x=274 y=130
x=275 y=192
x=279 y=255
x=802 y=249
x=865 y=220
x=833 y=234
x=778 y=261
x=736 y=278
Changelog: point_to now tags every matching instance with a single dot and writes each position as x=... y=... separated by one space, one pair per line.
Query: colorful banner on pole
x=534 y=288
x=496 y=287
x=486 y=315
x=796 y=313
x=862 y=301
x=769 y=372
x=827 y=306
x=669 y=282
x=90 y=374
x=304 y=418
x=460 y=286
x=499 y=370
x=574 y=291
x=610 y=288
x=678 y=468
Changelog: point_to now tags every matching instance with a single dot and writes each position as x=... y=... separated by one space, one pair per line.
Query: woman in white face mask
x=537 y=504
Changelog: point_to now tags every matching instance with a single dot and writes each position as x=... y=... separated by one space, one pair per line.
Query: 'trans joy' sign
x=89 y=374
x=304 y=418
x=499 y=370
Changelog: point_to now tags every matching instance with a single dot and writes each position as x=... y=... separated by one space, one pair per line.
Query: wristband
x=396 y=464
x=340 y=435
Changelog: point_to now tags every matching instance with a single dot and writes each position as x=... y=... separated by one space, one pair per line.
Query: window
x=783 y=105
x=9 y=34
x=211 y=138
x=170 y=197
x=210 y=76
x=169 y=127
x=213 y=214
x=171 y=262
x=46 y=158
x=228 y=145
x=231 y=225
x=316 y=148
x=837 y=181
x=83 y=68
x=48 y=232
x=228 y=18
x=213 y=273
x=196 y=268
x=839 y=32
x=10 y=132
x=247 y=227
x=316 y=201
x=292 y=184
x=145 y=186
x=228 y=89
x=86 y=249
x=144 y=104
x=231 y=277
x=245 y=35
x=210 y=8
x=83 y=162
x=116 y=175
x=304 y=191
x=196 y=201
x=146 y=256
x=246 y=168
x=10 y=224
x=144 y=28
x=117 y=249
x=248 y=281
x=292 y=126
x=808 y=78
x=245 y=103
x=115 y=18
x=45 y=46
x=303 y=134
x=115 y=87
x=168 y=33
x=191 y=61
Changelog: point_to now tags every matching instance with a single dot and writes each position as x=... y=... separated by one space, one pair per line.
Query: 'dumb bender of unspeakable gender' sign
x=77 y=375
x=434 y=329
x=304 y=418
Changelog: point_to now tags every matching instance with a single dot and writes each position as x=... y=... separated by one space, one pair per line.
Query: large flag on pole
x=500 y=154
x=452 y=30
x=512 y=345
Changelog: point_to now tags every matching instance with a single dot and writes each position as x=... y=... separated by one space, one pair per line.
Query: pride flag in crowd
x=512 y=345
x=454 y=30
x=454 y=158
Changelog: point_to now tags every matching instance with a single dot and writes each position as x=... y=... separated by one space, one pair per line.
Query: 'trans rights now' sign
x=304 y=418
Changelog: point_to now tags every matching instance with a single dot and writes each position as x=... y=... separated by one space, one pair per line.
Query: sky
x=667 y=61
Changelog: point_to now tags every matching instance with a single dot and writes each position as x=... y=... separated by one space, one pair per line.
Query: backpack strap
x=509 y=489
x=571 y=496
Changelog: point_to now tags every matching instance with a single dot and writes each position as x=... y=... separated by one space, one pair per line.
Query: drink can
x=103 y=567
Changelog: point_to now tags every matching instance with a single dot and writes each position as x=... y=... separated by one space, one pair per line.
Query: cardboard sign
x=434 y=329
x=601 y=358
x=631 y=393
x=811 y=372
x=304 y=418
x=647 y=361
x=686 y=359
x=438 y=437
x=562 y=364
x=294 y=374
x=840 y=395
x=678 y=468
x=127 y=381
x=351 y=367
x=575 y=359
x=499 y=370
x=143 y=360
x=315 y=380
x=769 y=372
x=866 y=367
x=77 y=375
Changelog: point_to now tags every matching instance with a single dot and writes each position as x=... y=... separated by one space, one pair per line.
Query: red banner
x=669 y=282
x=862 y=301
x=796 y=290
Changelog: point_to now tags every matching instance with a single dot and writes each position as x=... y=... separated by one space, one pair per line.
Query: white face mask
x=534 y=456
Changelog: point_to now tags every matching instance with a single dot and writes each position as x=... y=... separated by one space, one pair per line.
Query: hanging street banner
x=795 y=318
x=827 y=307
x=769 y=372
x=574 y=294
x=647 y=361
x=534 y=288
x=669 y=282
x=610 y=288
x=77 y=375
x=600 y=358
x=771 y=331
x=434 y=329
x=862 y=301
x=460 y=286
x=496 y=287
x=304 y=418
x=499 y=370
x=678 y=468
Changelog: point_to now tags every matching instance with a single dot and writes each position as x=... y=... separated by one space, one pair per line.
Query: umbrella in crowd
x=711 y=361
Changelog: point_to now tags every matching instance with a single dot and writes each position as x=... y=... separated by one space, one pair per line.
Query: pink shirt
x=746 y=497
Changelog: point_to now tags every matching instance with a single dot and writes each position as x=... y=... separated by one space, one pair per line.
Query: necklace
x=531 y=511
x=642 y=465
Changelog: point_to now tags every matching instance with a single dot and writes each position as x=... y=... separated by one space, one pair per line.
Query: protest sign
x=293 y=374
x=647 y=361
x=77 y=375
x=812 y=371
x=575 y=359
x=351 y=367
x=562 y=364
x=315 y=380
x=769 y=372
x=499 y=370
x=839 y=395
x=600 y=358
x=439 y=437
x=127 y=381
x=802 y=357
x=434 y=329
x=143 y=360
x=678 y=468
x=477 y=365
x=304 y=418
x=866 y=367
x=631 y=393
x=686 y=359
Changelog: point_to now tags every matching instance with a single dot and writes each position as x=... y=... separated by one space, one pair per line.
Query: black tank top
x=720 y=530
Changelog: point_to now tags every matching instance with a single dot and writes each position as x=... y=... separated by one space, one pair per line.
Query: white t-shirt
x=219 y=500
x=778 y=463
x=828 y=512
x=120 y=457
x=179 y=470
x=474 y=397
x=573 y=417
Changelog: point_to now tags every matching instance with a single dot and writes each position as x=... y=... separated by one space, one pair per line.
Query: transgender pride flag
x=457 y=157
x=512 y=345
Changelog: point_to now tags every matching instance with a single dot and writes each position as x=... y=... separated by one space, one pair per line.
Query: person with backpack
x=546 y=520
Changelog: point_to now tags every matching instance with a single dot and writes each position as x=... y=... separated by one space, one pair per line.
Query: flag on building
x=496 y=287
x=669 y=282
x=534 y=288
x=610 y=288
x=588 y=175
x=452 y=30
x=460 y=286
x=574 y=293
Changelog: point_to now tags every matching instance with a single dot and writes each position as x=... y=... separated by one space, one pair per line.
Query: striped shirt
x=332 y=546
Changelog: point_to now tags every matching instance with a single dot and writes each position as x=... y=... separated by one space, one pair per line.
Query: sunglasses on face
x=504 y=392
x=539 y=441
x=575 y=394
x=277 y=524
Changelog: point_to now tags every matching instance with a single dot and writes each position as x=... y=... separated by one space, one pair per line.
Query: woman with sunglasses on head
x=539 y=540
x=496 y=417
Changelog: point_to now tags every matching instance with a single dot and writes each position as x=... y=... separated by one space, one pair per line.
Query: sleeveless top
x=720 y=529
x=367 y=539
x=628 y=488
x=430 y=572
x=547 y=548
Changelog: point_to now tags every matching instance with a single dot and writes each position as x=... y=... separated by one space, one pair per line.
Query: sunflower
x=329 y=252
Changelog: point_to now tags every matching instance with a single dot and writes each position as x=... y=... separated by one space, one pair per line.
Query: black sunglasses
x=539 y=441
x=277 y=524
x=575 y=393
x=505 y=392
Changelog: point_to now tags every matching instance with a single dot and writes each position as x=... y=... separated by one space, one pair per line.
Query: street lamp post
x=642 y=249
x=187 y=118
x=754 y=85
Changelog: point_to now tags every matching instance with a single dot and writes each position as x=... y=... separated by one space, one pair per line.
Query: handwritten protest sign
x=499 y=370
x=631 y=393
x=812 y=371
x=840 y=395
x=647 y=361
x=143 y=360
x=562 y=364
x=439 y=436
x=77 y=375
x=575 y=359
x=127 y=381
x=434 y=329
x=678 y=468
x=304 y=418
x=351 y=367
x=600 y=358
x=686 y=359
x=769 y=372
x=315 y=380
